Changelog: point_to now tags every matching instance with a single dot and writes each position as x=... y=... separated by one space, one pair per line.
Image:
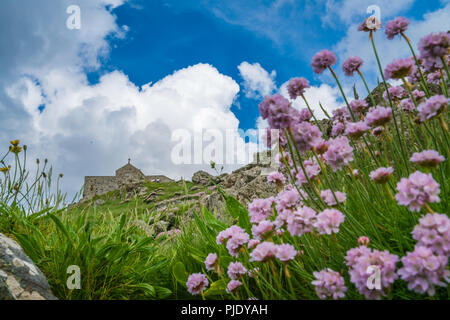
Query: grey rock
x=202 y=177
x=20 y=279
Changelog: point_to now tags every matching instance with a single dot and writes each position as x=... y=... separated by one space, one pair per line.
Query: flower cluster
x=400 y=68
x=427 y=158
x=196 y=283
x=352 y=65
x=417 y=190
x=328 y=221
x=329 y=284
x=339 y=153
x=433 y=232
x=396 y=27
x=432 y=107
x=423 y=270
x=234 y=237
x=363 y=261
x=296 y=87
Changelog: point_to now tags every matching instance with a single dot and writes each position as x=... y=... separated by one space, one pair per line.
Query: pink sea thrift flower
x=381 y=175
x=363 y=241
x=417 y=94
x=196 y=283
x=432 y=107
x=414 y=76
x=396 y=93
x=432 y=47
x=236 y=270
x=360 y=259
x=296 y=87
x=285 y=252
x=433 y=232
x=351 y=65
x=264 y=251
x=323 y=60
x=417 y=190
x=329 y=199
x=260 y=209
x=236 y=242
x=407 y=105
x=356 y=130
x=337 y=129
x=328 y=221
x=301 y=221
x=304 y=115
x=263 y=229
x=306 y=135
x=253 y=243
x=339 y=153
x=312 y=169
x=226 y=234
x=341 y=114
x=423 y=270
x=276 y=178
x=370 y=24
x=358 y=106
x=329 y=284
x=211 y=261
x=233 y=285
x=434 y=77
x=399 y=68
x=278 y=111
x=378 y=116
x=396 y=27
x=427 y=158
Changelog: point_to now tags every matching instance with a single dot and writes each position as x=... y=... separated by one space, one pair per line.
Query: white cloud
x=92 y=129
x=257 y=81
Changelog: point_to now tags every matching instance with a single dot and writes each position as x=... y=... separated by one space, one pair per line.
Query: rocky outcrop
x=20 y=279
x=202 y=177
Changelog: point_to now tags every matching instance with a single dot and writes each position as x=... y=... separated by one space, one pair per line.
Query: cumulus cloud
x=257 y=81
x=91 y=129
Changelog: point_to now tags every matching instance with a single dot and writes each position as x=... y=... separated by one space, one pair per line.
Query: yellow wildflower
x=15 y=149
x=5 y=169
x=15 y=143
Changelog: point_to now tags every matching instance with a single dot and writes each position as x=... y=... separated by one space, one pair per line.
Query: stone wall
x=99 y=185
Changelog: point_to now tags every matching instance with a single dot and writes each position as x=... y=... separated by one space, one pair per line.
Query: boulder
x=20 y=279
x=202 y=177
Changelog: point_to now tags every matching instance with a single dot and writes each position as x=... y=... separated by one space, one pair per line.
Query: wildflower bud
x=37 y=161
x=16 y=187
x=363 y=241
x=61 y=175
x=46 y=160
x=44 y=175
x=355 y=173
x=25 y=147
x=377 y=154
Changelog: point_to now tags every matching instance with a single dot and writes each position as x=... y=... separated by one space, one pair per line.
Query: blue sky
x=138 y=70
x=166 y=36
